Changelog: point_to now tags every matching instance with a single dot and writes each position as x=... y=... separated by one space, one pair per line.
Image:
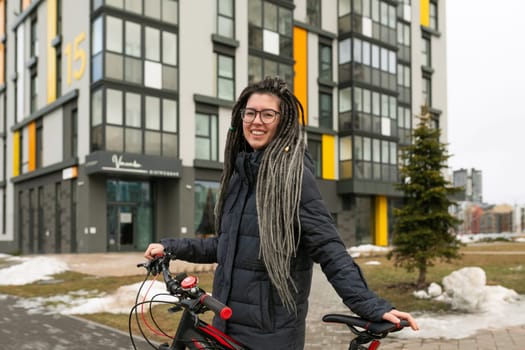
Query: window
x=125 y=57
x=325 y=111
x=315 y=148
x=259 y=67
x=372 y=63
x=59 y=17
x=270 y=34
x=39 y=146
x=225 y=77
x=33 y=90
x=160 y=10
x=74 y=132
x=225 y=18
x=345 y=109
x=404 y=124
x=22 y=163
x=34 y=37
x=375 y=159
x=133 y=123
x=119 y=122
x=403 y=83
x=345 y=157
x=433 y=15
x=426 y=93
x=325 y=62
x=425 y=52
x=403 y=41
x=161 y=127
x=313 y=12
x=206 y=134
x=372 y=18
x=375 y=112
x=205 y=196
x=58 y=68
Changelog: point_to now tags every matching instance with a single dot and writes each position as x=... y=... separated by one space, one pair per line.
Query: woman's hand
x=395 y=316
x=154 y=250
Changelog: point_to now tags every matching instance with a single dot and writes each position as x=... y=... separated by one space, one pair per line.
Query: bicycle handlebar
x=216 y=306
x=186 y=287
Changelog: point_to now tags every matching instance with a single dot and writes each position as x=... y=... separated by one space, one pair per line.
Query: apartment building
x=114 y=113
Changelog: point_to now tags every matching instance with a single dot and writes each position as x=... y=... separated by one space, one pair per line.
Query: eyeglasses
x=267 y=115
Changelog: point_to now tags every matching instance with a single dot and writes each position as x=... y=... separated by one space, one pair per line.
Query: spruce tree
x=423 y=227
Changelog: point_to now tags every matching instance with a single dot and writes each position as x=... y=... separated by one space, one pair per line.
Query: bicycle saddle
x=372 y=327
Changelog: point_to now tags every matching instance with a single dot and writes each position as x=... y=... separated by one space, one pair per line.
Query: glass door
x=121 y=227
x=130 y=215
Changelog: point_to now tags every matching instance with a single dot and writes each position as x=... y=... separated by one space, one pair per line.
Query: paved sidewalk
x=22 y=329
x=323 y=300
x=319 y=335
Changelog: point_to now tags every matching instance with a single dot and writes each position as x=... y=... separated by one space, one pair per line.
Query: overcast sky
x=486 y=94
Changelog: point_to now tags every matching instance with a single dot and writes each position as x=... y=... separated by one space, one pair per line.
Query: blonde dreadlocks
x=279 y=183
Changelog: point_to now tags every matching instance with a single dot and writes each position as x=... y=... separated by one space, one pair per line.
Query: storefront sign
x=137 y=164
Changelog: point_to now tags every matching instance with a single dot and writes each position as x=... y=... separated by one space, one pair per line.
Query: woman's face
x=262 y=129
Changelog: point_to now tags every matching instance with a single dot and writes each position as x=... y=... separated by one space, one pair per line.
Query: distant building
x=498 y=219
x=471 y=181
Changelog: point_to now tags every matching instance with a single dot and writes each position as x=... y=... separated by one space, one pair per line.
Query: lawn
x=501 y=261
x=395 y=284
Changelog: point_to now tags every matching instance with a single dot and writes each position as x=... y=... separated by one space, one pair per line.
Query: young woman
x=272 y=225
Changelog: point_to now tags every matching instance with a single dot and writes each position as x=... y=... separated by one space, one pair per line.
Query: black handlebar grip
x=216 y=306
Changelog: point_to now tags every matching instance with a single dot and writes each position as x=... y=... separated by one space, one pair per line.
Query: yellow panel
x=328 y=149
x=424 y=12
x=381 y=221
x=31 y=131
x=300 y=53
x=51 y=51
x=16 y=153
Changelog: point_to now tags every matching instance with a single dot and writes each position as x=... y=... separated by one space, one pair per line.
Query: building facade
x=471 y=182
x=114 y=113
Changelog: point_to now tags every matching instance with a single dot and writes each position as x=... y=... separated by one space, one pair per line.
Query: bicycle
x=193 y=333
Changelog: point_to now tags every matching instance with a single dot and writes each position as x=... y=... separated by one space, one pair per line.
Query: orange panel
x=300 y=55
x=31 y=129
x=2 y=48
x=16 y=153
x=25 y=4
x=2 y=17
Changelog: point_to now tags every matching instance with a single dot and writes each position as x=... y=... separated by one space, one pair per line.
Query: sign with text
x=132 y=164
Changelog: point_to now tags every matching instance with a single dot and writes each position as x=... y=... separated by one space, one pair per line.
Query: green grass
x=394 y=284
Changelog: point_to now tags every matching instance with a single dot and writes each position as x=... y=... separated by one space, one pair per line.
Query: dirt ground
x=119 y=264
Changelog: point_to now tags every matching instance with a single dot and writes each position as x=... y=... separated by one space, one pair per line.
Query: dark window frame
x=211 y=113
x=326 y=67
x=102 y=144
x=314 y=13
x=326 y=117
x=315 y=148
x=219 y=77
x=222 y=15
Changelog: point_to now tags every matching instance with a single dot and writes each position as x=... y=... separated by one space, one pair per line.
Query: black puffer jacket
x=241 y=281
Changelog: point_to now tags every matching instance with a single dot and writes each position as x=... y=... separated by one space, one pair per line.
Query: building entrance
x=121 y=227
x=129 y=215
